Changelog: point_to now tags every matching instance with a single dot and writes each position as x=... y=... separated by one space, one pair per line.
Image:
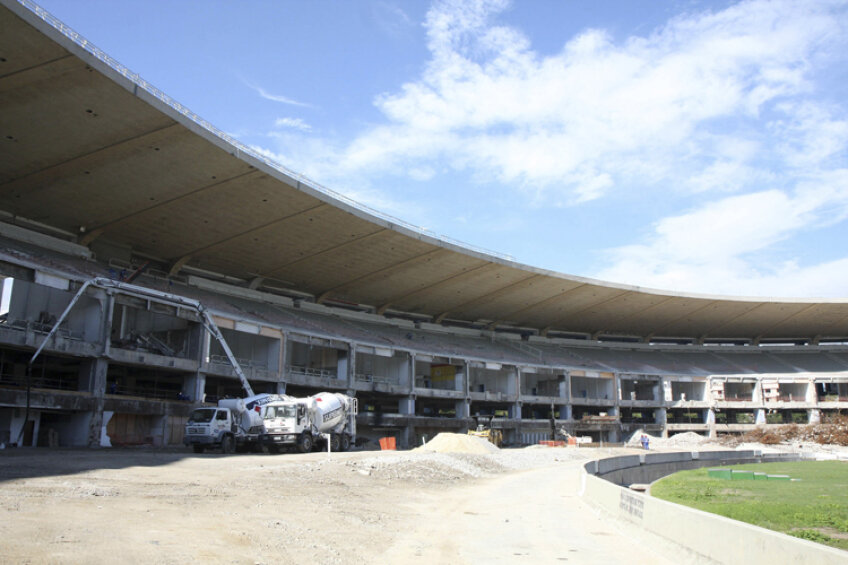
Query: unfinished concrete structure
x=102 y=175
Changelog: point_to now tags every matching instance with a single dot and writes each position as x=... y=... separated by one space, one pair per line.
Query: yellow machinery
x=487 y=432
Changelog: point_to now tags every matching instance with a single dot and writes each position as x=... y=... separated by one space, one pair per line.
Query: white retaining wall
x=715 y=537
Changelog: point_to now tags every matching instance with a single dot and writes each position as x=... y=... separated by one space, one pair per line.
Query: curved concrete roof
x=91 y=149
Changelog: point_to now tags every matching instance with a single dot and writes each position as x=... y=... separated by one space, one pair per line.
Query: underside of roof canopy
x=93 y=152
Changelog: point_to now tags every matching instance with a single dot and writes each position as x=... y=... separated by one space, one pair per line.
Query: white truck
x=307 y=422
x=234 y=425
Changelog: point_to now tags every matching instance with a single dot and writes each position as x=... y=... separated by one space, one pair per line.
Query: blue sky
x=683 y=145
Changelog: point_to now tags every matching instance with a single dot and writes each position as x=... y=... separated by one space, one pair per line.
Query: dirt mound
x=686 y=439
x=457 y=443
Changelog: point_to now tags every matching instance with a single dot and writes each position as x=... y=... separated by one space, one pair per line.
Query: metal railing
x=367 y=378
x=310 y=372
x=45 y=382
x=40 y=328
x=255 y=369
x=832 y=398
x=239 y=146
x=154 y=391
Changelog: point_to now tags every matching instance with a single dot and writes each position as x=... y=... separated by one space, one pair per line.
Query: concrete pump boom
x=157 y=296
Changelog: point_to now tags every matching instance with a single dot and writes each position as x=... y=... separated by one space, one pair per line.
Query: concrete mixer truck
x=234 y=425
x=305 y=423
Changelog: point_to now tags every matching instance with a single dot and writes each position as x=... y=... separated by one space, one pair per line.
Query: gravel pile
x=682 y=440
x=458 y=443
x=425 y=466
x=428 y=466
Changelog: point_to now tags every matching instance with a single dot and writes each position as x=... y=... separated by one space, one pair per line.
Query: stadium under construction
x=126 y=218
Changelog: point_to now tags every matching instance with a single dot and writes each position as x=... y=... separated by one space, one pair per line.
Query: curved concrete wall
x=648 y=467
x=708 y=535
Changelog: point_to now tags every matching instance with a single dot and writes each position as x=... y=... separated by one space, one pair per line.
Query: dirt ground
x=172 y=506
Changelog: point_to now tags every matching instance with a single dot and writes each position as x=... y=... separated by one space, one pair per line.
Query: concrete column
x=616 y=388
x=342 y=365
x=411 y=372
x=93 y=377
x=758 y=395
x=351 y=366
x=710 y=420
x=464 y=378
x=194 y=387
x=106 y=332
x=562 y=387
x=159 y=431
x=282 y=372
x=810 y=396
x=516 y=384
x=566 y=412
x=406 y=372
x=462 y=408
x=561 y=408
x=661 y=418
x=407 y=437
x=760 y=416
x=515 y=411
x=814 y=416
x=407 y=405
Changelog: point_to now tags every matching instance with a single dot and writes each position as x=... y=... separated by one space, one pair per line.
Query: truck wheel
x=304 y=443
x=227 y=444
x=335 y=442
x=345 y=443
x=197 y=448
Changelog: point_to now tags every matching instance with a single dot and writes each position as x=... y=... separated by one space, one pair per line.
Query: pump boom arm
x=162 y=297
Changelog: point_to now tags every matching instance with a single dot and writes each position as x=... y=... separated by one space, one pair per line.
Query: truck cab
x=210 y=427
x=284 y=422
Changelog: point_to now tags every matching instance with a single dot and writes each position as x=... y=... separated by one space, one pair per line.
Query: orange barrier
x=388 y=444
x=572 y=441
x=551 y=443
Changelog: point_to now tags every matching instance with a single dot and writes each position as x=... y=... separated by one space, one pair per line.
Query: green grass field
x=814 y=508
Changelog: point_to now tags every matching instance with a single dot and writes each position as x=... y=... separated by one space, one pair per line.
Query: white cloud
x=810 y=135
x=391 y=19
x=580 y=123
x=276 y=97
x=713 y=249
x=292 y=123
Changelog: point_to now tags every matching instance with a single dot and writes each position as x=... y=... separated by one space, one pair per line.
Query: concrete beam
x=384 y=272
x=99 y=230
x=331 y=249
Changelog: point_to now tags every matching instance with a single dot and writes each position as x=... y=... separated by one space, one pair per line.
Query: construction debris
x=834 y=431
